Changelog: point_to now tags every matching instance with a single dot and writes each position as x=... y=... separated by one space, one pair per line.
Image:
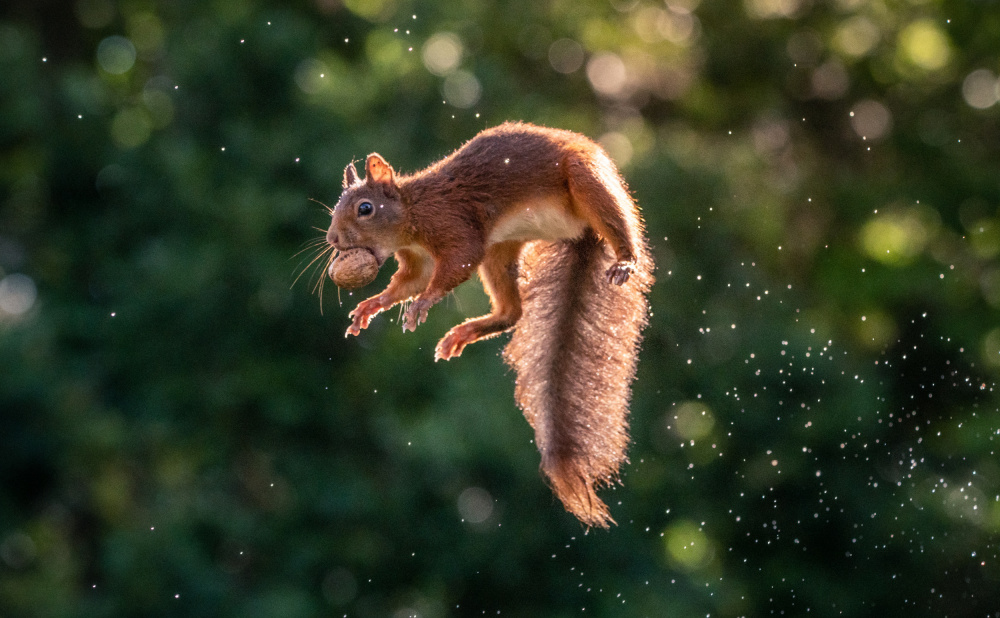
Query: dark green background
x=185 y=433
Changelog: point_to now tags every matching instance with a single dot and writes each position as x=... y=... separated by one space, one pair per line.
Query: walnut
x=354 y=268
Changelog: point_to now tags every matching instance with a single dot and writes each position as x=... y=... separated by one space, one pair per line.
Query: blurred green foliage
x=183 y=432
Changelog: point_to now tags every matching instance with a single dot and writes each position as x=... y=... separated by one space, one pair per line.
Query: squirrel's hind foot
x=620 y=272
x=451 y=345
x=470 y=331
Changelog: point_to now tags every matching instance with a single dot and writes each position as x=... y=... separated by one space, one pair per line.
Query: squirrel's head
x=369 y=213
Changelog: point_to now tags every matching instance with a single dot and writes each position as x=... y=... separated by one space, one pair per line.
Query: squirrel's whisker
x=320 y=255
x=310 y=244
x=328 y=209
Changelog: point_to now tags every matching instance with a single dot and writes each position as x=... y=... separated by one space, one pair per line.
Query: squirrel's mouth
x=378 y=258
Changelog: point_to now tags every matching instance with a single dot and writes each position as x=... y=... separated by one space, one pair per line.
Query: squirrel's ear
x=350 y=175
x=378 y=171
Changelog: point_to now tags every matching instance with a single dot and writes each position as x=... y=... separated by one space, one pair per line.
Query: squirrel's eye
x=365 y=208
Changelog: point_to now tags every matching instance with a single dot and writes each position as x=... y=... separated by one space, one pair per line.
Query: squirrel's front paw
x=363 y=314
x=619 y=273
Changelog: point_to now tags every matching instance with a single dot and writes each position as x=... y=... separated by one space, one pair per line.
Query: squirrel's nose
x=332 y=237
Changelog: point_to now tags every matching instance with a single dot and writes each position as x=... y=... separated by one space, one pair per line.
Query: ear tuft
x=350 y=175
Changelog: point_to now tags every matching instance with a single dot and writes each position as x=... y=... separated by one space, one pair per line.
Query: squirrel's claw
x=416 y=314
x=450 y=346
x=619 y=273
x=362 y=315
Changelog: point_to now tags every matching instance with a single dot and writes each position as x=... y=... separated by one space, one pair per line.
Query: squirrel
x=545 y=218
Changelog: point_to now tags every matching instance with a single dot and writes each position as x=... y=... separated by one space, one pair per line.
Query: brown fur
x=575 y=352
x=558 y=243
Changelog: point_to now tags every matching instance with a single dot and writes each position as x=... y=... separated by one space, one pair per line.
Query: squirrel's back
x=506 y=164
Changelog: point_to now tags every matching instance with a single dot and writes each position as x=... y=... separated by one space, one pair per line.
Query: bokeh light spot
x=989 y=284
x=770 y=135
x=984 y=236
x=990 y=348
x=830 y=81
x=160 y=106
x=877 y=330
x=372 y=10
x=772 y=9
x=566 y=55
x=619 y=146
x=980 y=89
x=653 y=24
x=923 y=44
x=693 y=420
x=442 y=53
x=607 y=74
x=898 y=236
x=116 y=54
x=146 y=31
x=461 y=89
x=475 y=505
x=17 y=294
x=856 y=37
x=311 y=75
x=18 y=550
x=687 y=546
x=871 y=120
x=387 y=53
x=131 y=127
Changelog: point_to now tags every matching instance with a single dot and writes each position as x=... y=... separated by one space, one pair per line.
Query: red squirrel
x=546 y=219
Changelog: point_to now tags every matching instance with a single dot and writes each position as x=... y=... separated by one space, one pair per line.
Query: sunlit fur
x=574 y=350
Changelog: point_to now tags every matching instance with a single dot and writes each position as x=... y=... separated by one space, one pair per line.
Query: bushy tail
x=575 y=350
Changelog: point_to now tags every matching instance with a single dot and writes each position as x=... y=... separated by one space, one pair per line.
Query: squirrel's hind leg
x=499 y=276
x=601 y=197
